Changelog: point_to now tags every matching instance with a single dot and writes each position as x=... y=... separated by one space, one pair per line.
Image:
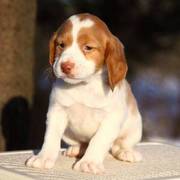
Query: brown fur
x=112 y=51
x=90 y=37
x=115 y=61
x=131 y=101
x=52 y=48
x=63 y=34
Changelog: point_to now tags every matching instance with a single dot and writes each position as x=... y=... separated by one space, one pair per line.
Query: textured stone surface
x=160 y=161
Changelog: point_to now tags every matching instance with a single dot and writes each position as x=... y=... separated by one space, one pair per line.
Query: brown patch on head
x=60 y=40
x=96 y=37
x=107 y=49
x=88 y=37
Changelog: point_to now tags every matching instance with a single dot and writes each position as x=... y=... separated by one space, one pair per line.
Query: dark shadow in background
x=16 y=117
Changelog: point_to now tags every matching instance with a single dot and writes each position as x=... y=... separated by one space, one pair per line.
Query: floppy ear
x=52 y=48
x=115 y=61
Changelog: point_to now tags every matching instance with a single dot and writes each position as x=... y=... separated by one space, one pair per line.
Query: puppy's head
x=82 y=46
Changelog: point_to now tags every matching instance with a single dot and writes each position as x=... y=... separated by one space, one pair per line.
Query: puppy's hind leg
x=76 y=150
x=122 y=148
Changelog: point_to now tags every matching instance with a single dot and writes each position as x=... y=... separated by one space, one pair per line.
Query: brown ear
x=52 y=48
x=115 y=61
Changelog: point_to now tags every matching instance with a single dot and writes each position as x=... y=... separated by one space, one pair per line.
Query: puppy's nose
x=67 y=67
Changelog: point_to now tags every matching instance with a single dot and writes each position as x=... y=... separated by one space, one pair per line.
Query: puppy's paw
x=40 y=161
x=89 y=167
x=72 y=151
x=129 y=156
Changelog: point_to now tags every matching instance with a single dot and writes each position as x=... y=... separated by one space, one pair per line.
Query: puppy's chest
x=84 y=121
x=86 y=107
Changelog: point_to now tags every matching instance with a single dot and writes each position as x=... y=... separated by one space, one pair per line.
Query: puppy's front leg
x=55 y=126
x=92 y=161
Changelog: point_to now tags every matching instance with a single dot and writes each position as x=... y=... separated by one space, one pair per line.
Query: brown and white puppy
x=91 y=103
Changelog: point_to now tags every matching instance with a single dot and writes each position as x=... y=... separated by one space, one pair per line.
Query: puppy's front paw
x=89 y=167
x=129 y=156
x=40 y=161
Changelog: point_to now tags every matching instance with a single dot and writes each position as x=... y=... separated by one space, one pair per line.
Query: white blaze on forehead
x=77 y=25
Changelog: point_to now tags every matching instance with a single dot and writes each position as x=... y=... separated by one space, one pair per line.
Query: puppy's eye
x=87 y=48
x=61 y=45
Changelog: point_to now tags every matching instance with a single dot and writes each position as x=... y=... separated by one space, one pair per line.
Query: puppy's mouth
x=69 y=76
x=72 y=76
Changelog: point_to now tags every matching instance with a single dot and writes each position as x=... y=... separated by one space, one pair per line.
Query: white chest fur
x=87 y=105
x=84 y=121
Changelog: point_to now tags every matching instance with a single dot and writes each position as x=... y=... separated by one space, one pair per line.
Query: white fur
x=88 y=112
x=83 y=67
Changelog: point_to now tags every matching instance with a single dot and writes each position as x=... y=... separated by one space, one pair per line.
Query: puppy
x=91 y=104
